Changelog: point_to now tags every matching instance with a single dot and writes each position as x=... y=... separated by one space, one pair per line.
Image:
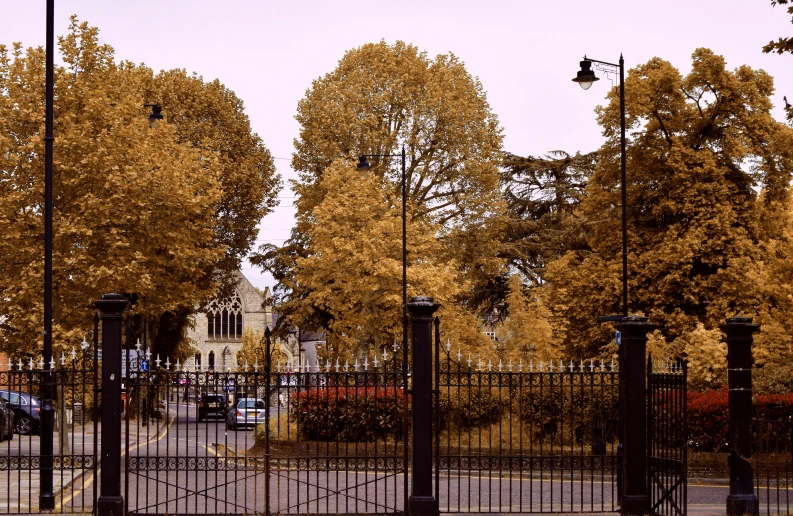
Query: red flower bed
x=349 y=414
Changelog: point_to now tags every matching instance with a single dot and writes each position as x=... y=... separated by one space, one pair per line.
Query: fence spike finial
x=500 y=365
x=346 y=366
x=561 y=365
x=63 y=359
x=550 y=366
x=459 y=355
x=246 y=366
x=355 y=365
x=479 y=363
x=489 y=365
x=366 y=363
x=385 y=354
x=167 y=363
x=338 y=366
x=571 y=365
x=591 y=365
x=178 y=365
x=73 y=353
x=581 y=366
x=148 y=355
x=375 y=362
x=41 y=363
x=158 y=361
x=52 y=363
x=602 y=366
x=137 y=345
x=509 y=366
x=10 y=365
x=612 y=365
x=469 y=361
x=448 y=346
x=256 y=366
x=19 y=364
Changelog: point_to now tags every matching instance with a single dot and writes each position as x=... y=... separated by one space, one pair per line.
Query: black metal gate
x=287 y=438
x=524 y=436
x=667 y=437
x=74 y=464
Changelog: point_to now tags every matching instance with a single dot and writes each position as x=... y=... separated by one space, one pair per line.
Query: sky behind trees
x=525 y=54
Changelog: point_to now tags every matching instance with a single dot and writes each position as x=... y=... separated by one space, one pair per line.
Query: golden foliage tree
x=137 y=210
x=526 y=333
x=379 y=98
x=780 y=46
x=700 y=149
x=351 y=276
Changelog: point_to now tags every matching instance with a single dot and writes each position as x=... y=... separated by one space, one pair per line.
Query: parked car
x=6 y=421
x=27 y=411
x=246 y=412
x=212 y=405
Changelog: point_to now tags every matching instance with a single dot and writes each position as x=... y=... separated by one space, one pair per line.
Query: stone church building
x=217 y=334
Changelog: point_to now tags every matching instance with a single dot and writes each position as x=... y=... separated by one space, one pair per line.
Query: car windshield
x=251 y=404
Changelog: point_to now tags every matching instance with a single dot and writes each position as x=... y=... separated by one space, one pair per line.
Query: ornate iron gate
x=319 y=438
x=667 y=437
x=524 y=436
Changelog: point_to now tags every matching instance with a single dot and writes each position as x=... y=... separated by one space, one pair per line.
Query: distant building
x=217 y=332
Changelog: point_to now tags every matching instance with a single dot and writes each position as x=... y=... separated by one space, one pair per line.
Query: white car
x=245 y=412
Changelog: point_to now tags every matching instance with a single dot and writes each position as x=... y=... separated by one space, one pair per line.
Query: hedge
x=349 y=414
x=709 y=416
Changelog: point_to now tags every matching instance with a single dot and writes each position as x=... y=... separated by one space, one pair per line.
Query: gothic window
x=225 y=318
x=211 y=360
x=198 y=360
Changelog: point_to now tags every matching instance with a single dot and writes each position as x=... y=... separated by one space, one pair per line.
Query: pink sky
x=524 y=53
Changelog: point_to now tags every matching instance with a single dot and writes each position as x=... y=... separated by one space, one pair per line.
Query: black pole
x=47 y=496
x=742 y=499
x=635 y=496
x=422 y=500
x=624 y=192
x=405 y=427
x=111 y=311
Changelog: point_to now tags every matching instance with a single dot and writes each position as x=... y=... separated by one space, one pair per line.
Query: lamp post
x=365 y=165
x=585 y=78
x=47 y=495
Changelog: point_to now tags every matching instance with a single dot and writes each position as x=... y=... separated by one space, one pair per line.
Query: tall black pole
x=47 y=496
x=624 y=192
x=404 y=307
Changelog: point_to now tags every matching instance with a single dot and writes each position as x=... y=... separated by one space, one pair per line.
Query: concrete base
x=740 y=505
x=110 y=506
x=423 y=506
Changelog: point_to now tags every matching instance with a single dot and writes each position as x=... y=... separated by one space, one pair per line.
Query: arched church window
x=224 y=318
x=211 y=360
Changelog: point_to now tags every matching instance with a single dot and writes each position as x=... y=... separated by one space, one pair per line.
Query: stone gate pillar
x=633 y=334
x=741 y=499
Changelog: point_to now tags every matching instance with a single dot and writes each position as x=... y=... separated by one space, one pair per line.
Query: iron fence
x=525 y=437
x=772 y=443
x=74 y=462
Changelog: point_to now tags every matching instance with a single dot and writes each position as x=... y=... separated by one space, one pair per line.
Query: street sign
x=619 y=338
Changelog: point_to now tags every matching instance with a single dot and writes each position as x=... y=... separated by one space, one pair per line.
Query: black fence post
x=111 y=308
x=422 y=500
x=633 y=335
x=742 y=499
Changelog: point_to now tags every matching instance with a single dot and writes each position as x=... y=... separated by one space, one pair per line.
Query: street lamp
x=585 y=78
x=365 y=165
x=156 y=114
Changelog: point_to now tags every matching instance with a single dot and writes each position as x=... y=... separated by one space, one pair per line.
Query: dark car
x=6 y=421
x=212 y=405
x=27 y=411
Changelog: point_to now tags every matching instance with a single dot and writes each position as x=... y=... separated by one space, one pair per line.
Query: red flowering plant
x=350 y=414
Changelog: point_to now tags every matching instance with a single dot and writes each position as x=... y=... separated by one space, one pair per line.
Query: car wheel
x=24 y=426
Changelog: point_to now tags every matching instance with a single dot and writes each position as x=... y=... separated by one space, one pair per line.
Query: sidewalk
x=20 y=478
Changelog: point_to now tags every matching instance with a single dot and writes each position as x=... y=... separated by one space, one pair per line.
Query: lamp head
x=363 y=164
x=156 y=114
x=586 y=76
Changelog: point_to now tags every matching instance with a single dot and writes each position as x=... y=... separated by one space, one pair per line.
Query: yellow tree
x=379 y=98
x=136 y=209
x=351 y=276
x=526 y=333
x=700 y=149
